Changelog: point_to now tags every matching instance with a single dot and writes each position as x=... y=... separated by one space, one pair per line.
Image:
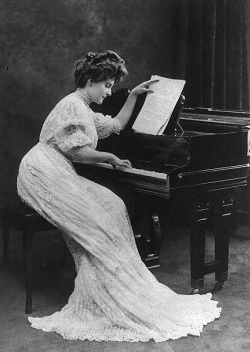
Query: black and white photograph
x=125 y=175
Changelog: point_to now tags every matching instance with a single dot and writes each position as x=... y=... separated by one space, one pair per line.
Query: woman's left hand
x=144 y=87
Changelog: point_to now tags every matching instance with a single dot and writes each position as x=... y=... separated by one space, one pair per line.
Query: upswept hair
x=98 y=67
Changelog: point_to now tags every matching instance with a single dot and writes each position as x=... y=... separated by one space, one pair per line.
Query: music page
x=158 y=106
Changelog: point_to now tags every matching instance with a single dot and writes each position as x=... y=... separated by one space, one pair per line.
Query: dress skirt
x=115 y=298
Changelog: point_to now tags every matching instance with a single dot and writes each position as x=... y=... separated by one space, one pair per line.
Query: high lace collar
x=83 y=95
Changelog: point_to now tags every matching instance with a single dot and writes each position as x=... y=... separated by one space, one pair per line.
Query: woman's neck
x=81 y=92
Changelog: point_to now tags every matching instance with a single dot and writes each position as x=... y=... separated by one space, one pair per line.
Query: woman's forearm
x=126 y=112
x=127 y=109
x=89 y=155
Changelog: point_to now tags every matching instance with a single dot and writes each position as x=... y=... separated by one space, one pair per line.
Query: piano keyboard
x=141 y=172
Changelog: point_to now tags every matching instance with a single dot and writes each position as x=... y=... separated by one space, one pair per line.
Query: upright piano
x=201 y=160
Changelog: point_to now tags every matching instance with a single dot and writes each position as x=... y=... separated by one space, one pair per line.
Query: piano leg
x=152 y=259
x=148 y=233
x=224 y=210
x=221 y=209
x=198 y=212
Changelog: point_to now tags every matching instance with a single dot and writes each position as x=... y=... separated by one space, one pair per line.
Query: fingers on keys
x=126 y=163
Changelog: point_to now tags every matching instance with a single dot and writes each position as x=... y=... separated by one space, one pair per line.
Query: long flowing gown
x=115 y=298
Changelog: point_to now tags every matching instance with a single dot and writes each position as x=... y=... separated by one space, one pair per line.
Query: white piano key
x=154 y=174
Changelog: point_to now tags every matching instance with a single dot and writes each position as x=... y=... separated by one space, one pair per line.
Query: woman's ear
x=89 y=83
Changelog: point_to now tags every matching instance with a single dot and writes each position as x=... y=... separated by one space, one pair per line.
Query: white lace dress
x=116 y=298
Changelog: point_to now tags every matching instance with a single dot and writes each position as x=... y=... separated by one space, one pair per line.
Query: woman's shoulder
x=71 y=107
x=71 y=98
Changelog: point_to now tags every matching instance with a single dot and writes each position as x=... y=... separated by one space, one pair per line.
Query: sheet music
x=158 y=106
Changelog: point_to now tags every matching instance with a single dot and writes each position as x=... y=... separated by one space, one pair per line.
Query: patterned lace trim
x=84 y=96
x=117 y=126
x=67 y=324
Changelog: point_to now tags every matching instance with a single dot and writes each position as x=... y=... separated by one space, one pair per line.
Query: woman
x=115 y=297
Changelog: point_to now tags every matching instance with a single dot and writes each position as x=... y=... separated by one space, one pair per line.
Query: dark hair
x=98 y=67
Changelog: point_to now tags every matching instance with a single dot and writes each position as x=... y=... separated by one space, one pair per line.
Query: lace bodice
x=72 y=125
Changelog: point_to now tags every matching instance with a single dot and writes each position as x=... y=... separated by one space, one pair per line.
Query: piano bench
x=16 y=215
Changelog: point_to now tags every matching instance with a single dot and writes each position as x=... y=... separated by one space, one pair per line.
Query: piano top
x=238 y=114
x=214 y=119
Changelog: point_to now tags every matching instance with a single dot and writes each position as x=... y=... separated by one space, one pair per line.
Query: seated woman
x=116 y=298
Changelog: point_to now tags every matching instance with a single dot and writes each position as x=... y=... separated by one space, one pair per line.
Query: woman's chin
x=99 y=102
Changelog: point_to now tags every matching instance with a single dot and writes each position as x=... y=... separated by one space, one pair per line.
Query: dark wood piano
x=201 y=160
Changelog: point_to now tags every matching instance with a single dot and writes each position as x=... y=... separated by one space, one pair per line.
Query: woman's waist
x=43 y=153
x=55 y=148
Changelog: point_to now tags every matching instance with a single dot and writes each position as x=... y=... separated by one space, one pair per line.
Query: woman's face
x=98 y=91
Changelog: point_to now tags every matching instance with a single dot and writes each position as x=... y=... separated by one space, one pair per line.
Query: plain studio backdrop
x=206 y=43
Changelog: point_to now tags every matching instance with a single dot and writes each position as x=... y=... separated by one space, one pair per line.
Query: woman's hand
x=127 y=109
x=144 y=87
x=116 y=162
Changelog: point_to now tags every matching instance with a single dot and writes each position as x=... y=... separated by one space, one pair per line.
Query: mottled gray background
x=40 y=42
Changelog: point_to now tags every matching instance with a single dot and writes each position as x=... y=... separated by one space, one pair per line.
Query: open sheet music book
x=158 y=106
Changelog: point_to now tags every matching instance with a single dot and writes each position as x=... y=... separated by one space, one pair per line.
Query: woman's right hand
x=115 y=161
x=144 y=87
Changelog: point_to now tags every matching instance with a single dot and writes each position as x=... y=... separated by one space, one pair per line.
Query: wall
x=40 y=42
x=42 y=39
x=247 y=13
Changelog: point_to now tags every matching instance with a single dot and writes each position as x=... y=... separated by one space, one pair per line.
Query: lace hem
x=69 y=326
